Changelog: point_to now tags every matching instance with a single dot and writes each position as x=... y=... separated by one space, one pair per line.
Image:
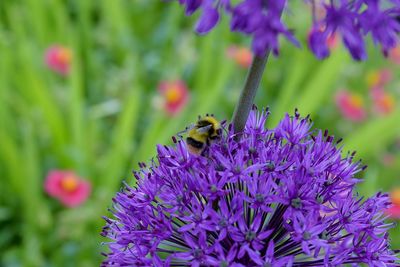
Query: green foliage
x=99 y=121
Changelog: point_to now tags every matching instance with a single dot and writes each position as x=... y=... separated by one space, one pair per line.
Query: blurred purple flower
x=317 y=40
x=344 y=20
x=276 y=197
x=383 y=25
x=208 y=20
x=191 y=5
x=261 y=19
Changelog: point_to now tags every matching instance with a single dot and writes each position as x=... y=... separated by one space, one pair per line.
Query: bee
x=201 y=134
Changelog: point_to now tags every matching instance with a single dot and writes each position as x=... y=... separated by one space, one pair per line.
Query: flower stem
x=249 y=91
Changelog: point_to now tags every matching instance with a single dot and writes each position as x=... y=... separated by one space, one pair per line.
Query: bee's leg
x=215 y=137
x=223 y=126
x=205 y=151
x=180 y=134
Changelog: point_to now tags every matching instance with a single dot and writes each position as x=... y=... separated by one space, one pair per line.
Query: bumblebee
x=200 y=135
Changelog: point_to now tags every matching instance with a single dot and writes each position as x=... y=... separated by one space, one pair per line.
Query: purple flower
x=354 y=20
x=262 y=20
x=210 y=12
x=208 y=20
x=276 y=197
x=191 y=5
x=383 y=25
x=318 y=42
x=344 y=20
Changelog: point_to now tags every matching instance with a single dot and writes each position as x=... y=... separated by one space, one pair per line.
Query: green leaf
x=321 y=83
x=374 y=135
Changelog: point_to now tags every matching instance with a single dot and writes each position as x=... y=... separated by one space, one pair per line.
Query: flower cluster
x=273 y=197
x=381 y=102
x=353 y=20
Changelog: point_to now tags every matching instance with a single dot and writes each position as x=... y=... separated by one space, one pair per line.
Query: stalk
x=246 y=99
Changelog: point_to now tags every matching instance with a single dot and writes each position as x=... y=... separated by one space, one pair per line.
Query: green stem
x=249 y=91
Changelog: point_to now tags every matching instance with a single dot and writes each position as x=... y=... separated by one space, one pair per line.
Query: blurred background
x=88 y=88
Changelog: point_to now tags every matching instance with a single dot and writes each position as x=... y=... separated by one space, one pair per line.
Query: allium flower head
x=275 y=197
x=261 y=19
x=67 y=187
x=351 y=105
x=58 y=58
x=174 y=96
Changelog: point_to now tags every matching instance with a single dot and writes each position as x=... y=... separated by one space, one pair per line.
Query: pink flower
x=240 y=55
x=67 y=187
x=58 y=58
x=383 y=102
x=395 y=196
x=333 y=41
x=388 y=159
x=379 y=78
x=174 y=96
x=394 y=54
x=351 y=105
x=394 y=211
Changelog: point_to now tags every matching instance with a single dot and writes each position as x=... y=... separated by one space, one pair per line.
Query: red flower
x=351 y=105
x=174 y=96
x=67 y=187
x=58 y=58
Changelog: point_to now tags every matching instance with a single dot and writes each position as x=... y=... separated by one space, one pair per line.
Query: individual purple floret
x=353 y=20
x=273 y=197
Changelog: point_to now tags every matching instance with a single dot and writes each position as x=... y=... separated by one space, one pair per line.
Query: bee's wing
x=185 y=131
x=204 y=129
